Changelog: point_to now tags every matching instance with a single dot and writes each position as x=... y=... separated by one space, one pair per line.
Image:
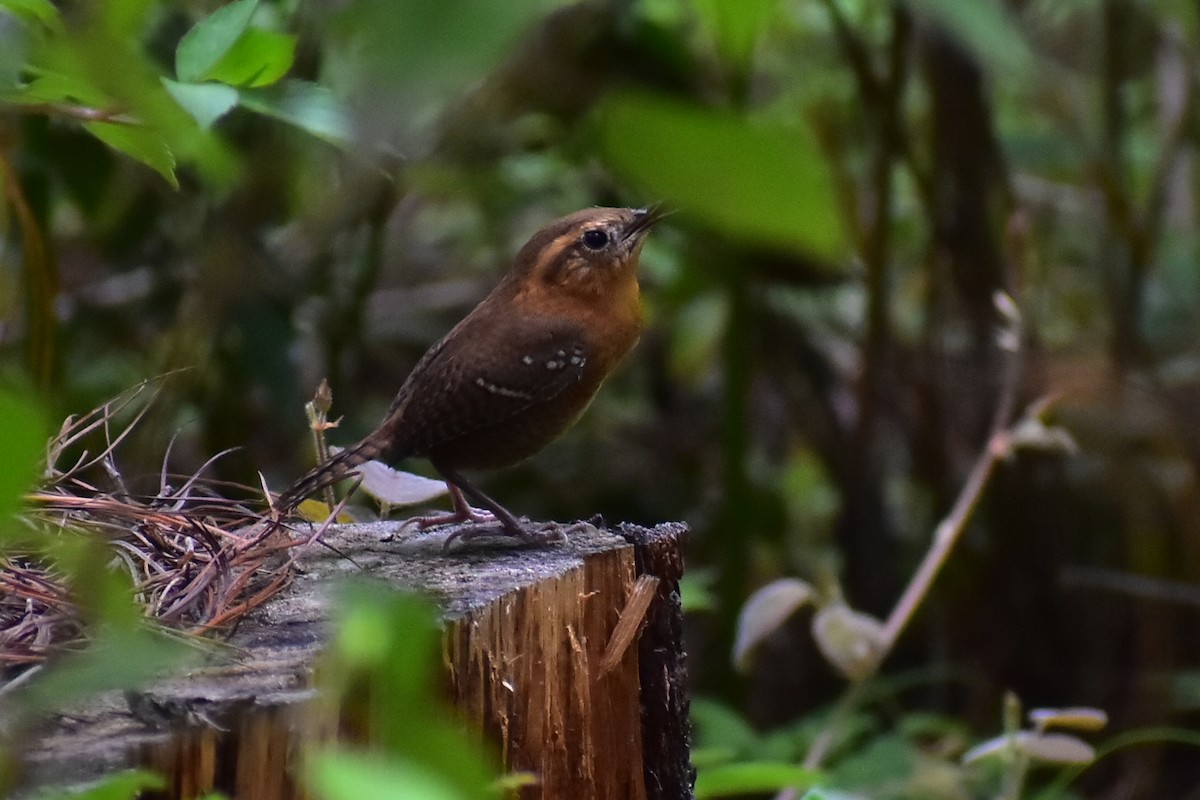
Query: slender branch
x=946 y=536
x=855 y=49
x=317 y=410
x=41 y=273
x=875 y=93
x=1176 y=137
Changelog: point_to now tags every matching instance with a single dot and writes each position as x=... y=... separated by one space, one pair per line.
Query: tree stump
x=568 y=656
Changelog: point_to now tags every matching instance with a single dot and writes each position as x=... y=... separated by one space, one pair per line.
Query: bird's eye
x=595 y=239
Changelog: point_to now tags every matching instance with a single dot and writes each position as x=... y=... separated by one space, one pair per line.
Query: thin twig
x=317 y=410
x=946 y=536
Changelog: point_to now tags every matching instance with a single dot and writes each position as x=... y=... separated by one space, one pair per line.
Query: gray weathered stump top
x=270 y=658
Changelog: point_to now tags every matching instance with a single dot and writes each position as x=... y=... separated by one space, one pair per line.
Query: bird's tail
x=328 y=473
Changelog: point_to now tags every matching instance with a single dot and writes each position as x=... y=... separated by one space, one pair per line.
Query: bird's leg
x=499 y=512
x=510 y=526
x=463 y=512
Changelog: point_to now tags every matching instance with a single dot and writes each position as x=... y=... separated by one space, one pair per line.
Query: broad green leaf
x=211 y=38
x=14 y=52
x=753 y=777
x=439 y=46
x=23 y=444
x=59 y=87
x=310 y=107
x=1055 y=748
x=206 y=102
x=764 y=612
x=850 y=640
x=354 y=776
x=258 y=58
x=125 y=785
x=42 y=11
x=384 y=630
x=142 y=143
x=125 y=19
x=718 y=725
x=118 y=657
x=882 y=760
x=696 y=590
x=397 y=63
x=509 y=785
x=751 y=180
x=389 y=646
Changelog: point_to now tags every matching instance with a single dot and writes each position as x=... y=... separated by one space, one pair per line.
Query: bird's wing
x=455 y=390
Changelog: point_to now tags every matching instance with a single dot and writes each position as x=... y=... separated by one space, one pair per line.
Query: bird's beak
x=644 y=219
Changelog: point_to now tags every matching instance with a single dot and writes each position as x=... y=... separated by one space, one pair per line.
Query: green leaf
x=754 y=181
x=125 y=19
x=764 y=612
x=119 y=657
x=389 y=645
x=821 y=793
x=206 y=102
x=735 y=26
x=696 y=590
x=23 y=444
x=258 y=58
x=42 y=11
x=310 y=107
x=209 y=40
x=752 y=777
x=851 y=641
x=57 y=87
x=352 y=776
x=142 y=143
x=14 y=49
x=125 y=785
x=718 y=725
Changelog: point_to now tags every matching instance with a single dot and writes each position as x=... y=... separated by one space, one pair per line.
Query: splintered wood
x=630 y=622
x=568 y=657
x=572 y=725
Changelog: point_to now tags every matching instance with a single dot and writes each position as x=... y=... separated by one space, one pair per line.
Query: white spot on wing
x=502 y=390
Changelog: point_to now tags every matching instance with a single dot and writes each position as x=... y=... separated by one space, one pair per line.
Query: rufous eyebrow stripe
x=544 y=266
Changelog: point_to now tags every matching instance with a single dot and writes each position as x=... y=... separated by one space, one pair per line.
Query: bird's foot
x=468 y=514
x=524 y=533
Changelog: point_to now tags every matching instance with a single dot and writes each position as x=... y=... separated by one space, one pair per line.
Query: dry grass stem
x=200 y=554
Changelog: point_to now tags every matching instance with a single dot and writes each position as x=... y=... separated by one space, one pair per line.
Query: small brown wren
x=519 y=369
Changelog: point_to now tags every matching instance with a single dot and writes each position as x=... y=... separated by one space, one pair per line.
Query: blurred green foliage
x=379 y=675
x=119 y=786
x=24 y=442
x=122 y=650
x=774 y=184
x=273 y=192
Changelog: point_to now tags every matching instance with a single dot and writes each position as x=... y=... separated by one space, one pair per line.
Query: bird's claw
x=476 y=516
x=552 y=533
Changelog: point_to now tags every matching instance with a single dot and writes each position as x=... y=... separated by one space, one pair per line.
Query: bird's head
x=589 y=251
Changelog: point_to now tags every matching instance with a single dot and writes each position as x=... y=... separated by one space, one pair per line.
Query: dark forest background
x=855 y=182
